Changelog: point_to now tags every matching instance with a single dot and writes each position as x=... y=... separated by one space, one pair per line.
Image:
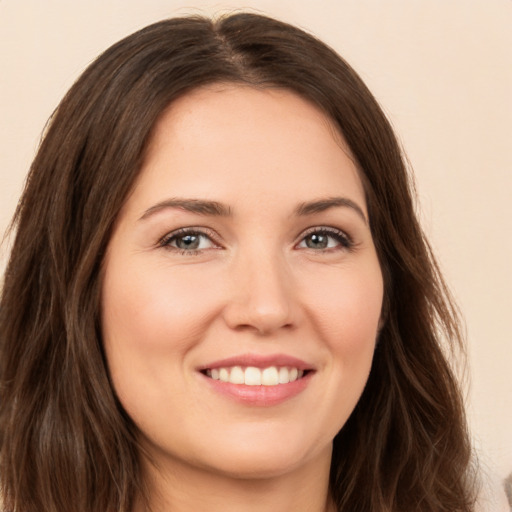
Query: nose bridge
x=262 y=298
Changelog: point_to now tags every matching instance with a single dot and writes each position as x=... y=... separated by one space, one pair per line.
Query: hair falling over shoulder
x=64 y=438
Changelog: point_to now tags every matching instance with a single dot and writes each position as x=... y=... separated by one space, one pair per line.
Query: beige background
x=441 y=69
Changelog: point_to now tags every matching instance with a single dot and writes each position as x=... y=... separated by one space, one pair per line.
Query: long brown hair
x=64 y=438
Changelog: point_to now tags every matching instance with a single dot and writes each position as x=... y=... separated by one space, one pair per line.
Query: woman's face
x=242 y=292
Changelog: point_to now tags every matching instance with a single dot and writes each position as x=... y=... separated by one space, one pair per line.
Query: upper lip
x=259 y=361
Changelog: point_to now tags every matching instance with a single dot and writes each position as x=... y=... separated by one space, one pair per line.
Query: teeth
x=284 y=375
x=270 y=377
x=252 y=376
x=224 y=374
x=236 y=375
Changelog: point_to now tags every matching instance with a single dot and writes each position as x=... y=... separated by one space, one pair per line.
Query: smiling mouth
x=253 y=376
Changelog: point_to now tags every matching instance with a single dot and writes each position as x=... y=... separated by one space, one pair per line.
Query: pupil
x=188 y=242
x=317 y=241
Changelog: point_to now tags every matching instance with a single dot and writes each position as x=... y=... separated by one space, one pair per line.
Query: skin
x=256 y=284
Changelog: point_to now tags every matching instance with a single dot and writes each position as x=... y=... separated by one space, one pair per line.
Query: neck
x=182 y=488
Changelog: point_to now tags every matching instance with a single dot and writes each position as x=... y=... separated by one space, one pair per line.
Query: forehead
x=265 y=141
x=230 y=105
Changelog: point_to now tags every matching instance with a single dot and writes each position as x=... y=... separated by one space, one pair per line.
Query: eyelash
x=167 y=240
x=344 y=240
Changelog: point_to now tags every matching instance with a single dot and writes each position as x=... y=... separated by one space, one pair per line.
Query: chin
x=262 y=458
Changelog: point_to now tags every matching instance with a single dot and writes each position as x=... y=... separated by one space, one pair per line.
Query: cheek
x=347 y=308
x=344 y=314
x=152 y=317
x=156 y=308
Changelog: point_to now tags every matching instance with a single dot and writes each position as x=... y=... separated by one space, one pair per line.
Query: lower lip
x=263 y=396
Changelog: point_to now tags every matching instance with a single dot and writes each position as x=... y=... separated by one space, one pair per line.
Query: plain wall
x=442 y=71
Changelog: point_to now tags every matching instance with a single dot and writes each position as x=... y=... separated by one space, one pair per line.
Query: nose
x=262 y=298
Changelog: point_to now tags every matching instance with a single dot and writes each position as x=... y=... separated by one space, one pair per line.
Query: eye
x=188 y=241
x=323 y=238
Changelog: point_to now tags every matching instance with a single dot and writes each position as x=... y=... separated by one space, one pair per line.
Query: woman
x=219 y=295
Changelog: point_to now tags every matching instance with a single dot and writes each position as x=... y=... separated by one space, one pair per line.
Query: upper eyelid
x=183 y=231
x=322 y=227
x=325 y=229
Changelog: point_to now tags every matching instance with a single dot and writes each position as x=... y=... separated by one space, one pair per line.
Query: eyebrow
x=321 y=205
x=198 y=206
x=214 y=208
